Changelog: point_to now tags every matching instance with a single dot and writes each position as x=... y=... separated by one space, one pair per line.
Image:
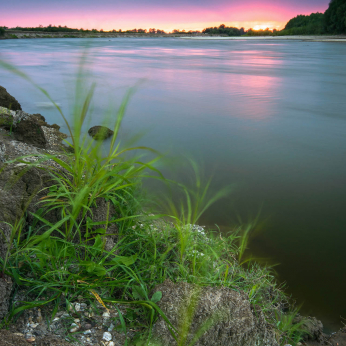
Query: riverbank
x=153 y=263
x=14 y=34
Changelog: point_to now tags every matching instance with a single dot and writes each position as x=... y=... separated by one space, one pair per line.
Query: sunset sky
x=159 y=14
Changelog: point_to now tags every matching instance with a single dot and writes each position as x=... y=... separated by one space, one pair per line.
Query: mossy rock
x=6 y=118
x=100 y=132
x=8 y=101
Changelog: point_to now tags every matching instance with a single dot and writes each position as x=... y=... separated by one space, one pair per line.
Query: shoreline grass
x=67 y=258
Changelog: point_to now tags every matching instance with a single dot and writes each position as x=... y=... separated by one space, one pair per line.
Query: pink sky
x=193 y=16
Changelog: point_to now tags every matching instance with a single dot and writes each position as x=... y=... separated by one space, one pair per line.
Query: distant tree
x=152 y=31
x=158 y=31
x=312 y=24
x=175 y=31
x=2 y=31
x=335 y=17
x=223 y=30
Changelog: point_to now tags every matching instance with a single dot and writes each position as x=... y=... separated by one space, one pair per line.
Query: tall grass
x=60 y=260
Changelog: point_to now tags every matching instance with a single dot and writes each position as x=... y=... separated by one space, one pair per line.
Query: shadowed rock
x=232 y=321
x=28 y=128
x=100 y=132
x=8 y=101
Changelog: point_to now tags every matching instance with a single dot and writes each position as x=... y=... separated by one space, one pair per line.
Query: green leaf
x=127 y=260
x=99 y=230
x=156 y=297
x=138 y=293
x=98 y=242
x=90 y=266
x=100 y=270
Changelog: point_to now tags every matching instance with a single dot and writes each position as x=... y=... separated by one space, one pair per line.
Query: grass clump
x=59 y=259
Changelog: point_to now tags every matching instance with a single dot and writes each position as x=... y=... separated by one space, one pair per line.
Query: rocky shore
x=234 y=321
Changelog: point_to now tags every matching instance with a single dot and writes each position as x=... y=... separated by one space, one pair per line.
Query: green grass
x=60 y=261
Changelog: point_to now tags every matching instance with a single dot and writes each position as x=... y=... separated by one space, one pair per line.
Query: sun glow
x=263 y=26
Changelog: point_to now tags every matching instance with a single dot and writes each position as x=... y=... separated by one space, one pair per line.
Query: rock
x=5 y=292
x=98 y=213
x=107 y=336
x=31 y=129
x=2 y=152
x=18 y=189
x=8 y=101
x=74 y=327
x=233 y=322
x=312 y=326
x=27 y=129
x=6 y=117
x=338 y=338
x=100 y=132
x=30 y=338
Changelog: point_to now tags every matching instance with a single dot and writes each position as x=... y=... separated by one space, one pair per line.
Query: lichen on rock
x=230 y=318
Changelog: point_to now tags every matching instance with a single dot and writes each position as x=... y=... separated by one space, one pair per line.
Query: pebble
x=77 y=307
x=74 y=328
x=111 y=327
x=110 y=343
x=87 y=332
x=77 y=320
x=107 y=336
x=29 y=338
x=39 y=316
x=106 y=314
x=88 y=326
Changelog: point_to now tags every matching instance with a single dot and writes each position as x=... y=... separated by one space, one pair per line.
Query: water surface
x=266 y=115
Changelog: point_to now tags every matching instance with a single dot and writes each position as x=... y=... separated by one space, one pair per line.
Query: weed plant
x=58 y=261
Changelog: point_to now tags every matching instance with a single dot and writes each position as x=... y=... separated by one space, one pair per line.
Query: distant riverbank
x=316 y=38
x=14 y=34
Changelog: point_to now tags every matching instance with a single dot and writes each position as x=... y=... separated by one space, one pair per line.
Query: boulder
x=312 y=326
x=228 y=315
x=8 y=101
x=18 y=193
x=27 y=128
x=100 y=132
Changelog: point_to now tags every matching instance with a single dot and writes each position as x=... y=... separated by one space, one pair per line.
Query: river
x=266 y=116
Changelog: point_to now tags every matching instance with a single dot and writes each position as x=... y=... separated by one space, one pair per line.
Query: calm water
x=267 y=115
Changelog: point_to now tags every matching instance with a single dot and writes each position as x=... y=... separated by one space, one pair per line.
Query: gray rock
x=5 y=292
x=312 y=326
x=8 y=101
x=29 y=128
x=232 y=321
x=100 y=132
x=18 y=192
